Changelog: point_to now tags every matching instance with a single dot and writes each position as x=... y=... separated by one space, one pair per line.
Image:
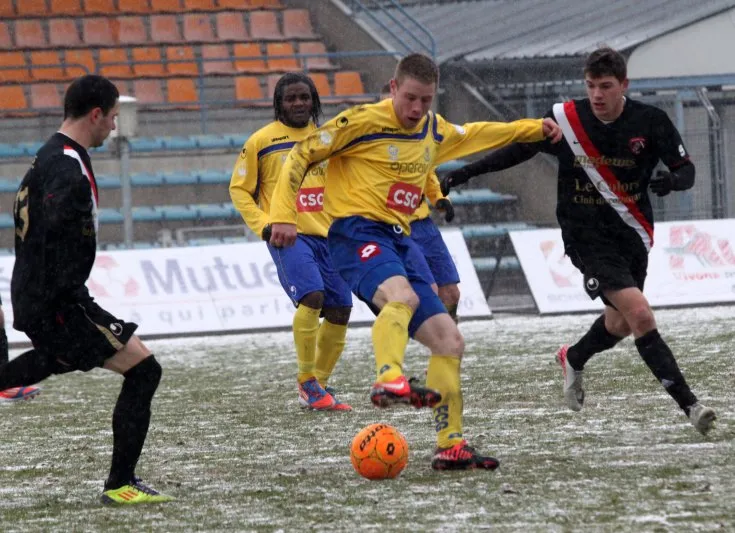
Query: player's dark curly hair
x=290 y=79
x=88 y=92
x=606 y=62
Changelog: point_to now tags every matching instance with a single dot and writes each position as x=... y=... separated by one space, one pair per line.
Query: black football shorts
x=80 y=336
x=608 y=263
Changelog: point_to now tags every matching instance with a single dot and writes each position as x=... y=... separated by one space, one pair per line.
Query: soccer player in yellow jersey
x=430 y=256
x=380 y=156
x=304 y=270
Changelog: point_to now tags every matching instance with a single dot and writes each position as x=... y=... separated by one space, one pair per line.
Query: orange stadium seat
x=45 y=96
x=198 y=28
x=12 y=98
x=31 y=8
x=166 y=6
x=164 y=29
x=5 y=42
x=315 y=63
x=180 y=60
x=13 y=59
x=63 y=33
x=148 y=54
x=232 y=4
x=199 y=5
x=119 y=56
x=123 y=86
x=133 y=6
x=322 y=84
x=230 y=27
x=248 y=88
x=74 y=58
x=65 y=7
x=297 y=24
x=99 y=7
x=53 y=69
x=264 y=26
x=248 y=50
x=7 y=10
x=281 y=64
x=216 y=59
x=29 y=34
x=348 y=84
x=97 y=31
x=130 y=30
x=182 y=91
x=263 y=4
x=148 y=91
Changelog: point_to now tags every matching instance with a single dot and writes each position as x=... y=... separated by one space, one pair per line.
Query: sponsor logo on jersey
x=368 y=251
x=404 y=198
x=326 y=138
x=276 y=139
x=310 y=199
x=342 y=122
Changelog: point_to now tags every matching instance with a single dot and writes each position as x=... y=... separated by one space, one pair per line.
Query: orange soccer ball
x=379 y=451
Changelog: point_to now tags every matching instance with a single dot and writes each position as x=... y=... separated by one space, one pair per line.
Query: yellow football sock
x=330 y=341
x=443 y=376
x=305 y=326
x=390 y=337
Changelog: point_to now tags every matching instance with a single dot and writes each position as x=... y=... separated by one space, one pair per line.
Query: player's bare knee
x=641 y=319
x=337 y=315
x=410 y=298
x=449 y=295
x=314 y=300
x=617 y=326
x=452 y=343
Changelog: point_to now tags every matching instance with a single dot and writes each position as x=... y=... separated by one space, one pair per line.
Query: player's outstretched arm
x=680 y=180
x=501 y=159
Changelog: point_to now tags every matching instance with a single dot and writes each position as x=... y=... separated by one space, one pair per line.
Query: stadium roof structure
x=513 y=30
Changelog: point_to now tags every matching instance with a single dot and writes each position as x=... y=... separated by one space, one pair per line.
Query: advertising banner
x=229 y=287
x=691 y=263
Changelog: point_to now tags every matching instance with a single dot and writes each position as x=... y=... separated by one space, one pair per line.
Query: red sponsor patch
x=368 y=251
x=310 y=199
x=404 y=198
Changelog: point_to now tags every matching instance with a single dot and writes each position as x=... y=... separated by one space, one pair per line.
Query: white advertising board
x=231 y=287
x=691 y=263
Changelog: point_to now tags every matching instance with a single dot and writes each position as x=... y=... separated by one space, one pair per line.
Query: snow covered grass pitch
x=230 y=442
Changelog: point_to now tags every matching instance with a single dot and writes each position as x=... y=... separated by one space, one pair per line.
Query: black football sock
x=3 y=347
x=657 y=355
x=596 y=340
x=26 y=369
x=130 y=420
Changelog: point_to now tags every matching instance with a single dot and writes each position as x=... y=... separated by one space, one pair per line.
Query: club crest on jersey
x=393 y=152
x=427 y=155
x=637 y=145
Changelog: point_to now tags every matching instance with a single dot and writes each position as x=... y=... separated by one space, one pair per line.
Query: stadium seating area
x=167 y=53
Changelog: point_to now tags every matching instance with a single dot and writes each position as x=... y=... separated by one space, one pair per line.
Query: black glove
x=452 y=179
x=663 y=182
x=266 y=233
x=446 y=206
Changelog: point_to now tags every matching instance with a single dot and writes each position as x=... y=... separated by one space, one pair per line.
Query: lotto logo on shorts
x=310 y=199
x=368 y=251
x=404 y=198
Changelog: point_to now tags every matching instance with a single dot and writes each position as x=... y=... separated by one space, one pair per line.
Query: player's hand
x=662 y=183
x=552 y=131
x=452 y=179
x=282 y=235
x=266 y=233
x=445 y=206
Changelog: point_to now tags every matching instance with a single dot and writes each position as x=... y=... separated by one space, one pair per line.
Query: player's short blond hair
x=419 y=67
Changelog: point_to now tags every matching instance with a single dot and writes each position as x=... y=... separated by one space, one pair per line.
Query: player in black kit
x=612 y=145
x=55 y=244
